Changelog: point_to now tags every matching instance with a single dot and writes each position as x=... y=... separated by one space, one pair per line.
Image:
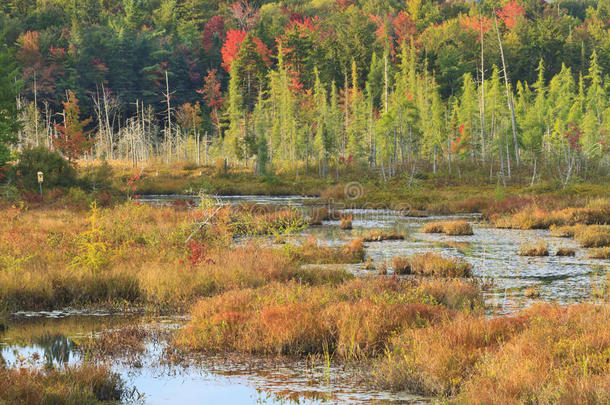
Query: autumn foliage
x=72 y=139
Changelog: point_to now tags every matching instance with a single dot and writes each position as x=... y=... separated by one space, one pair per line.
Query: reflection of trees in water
x=57 y=348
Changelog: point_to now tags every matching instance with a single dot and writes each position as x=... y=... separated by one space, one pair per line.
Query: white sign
x=40 y=177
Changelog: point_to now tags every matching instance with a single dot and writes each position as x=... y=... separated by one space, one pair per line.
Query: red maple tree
x=233 y=43
x=510 y=13
x=215 y=28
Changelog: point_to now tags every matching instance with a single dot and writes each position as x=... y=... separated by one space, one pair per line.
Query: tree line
x=386 y=84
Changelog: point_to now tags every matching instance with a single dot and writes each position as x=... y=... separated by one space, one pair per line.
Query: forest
x=396 y=86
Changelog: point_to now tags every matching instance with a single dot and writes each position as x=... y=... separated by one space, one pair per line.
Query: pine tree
x=9 y=113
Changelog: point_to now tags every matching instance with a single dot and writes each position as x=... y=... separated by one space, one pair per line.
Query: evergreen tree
x=9 y=87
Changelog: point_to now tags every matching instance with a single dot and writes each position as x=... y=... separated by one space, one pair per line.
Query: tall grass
x=431 y=264
x=83 y=385
x=547 y=354
x=49 y=259
x=355 y=319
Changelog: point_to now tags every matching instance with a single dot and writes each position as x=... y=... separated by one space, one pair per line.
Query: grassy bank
x=83 y=385
x=135 y=254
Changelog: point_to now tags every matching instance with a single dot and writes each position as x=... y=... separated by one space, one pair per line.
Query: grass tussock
x=353 y=320
x=546 y=354
x=84 y=385
x=452 y=228
x=596 y=212
x=594 y=236
x=431 y=264
x=538 y=249
x=601 y=253
x=378 y=235
x=313 y=252
x=565 y=251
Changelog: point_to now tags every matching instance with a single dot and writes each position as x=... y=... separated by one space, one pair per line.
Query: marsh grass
x=378 y=235
x=546 y=354
x=565 y=251
x=593 y=236
x=431 y=264
x=50 y=258
x=452 y=228
x=311 y=251
x=81 y=385
x=354 y=320
x=601 y=253
x=596 y=212
x=346 y=222
x=538 y=249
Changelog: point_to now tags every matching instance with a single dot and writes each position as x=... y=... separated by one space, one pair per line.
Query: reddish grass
x=354 y=320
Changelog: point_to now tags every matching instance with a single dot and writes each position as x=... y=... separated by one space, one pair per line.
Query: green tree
x=9 y=87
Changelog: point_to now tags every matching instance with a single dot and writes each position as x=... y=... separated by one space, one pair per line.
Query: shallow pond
x=53 y=337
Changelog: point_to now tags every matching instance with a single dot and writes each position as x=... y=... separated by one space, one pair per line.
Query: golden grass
x=452 y=228
x=83 y=385
x=353 y=320
x=545 y=354
x=378 y=235
x=594 y=236
x=601 y=253
x=565 y=251
x=431 y=264
x=138 y=256
x=562 y=356
x=538 y=249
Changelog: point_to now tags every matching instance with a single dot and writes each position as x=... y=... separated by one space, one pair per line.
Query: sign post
x=40 y=181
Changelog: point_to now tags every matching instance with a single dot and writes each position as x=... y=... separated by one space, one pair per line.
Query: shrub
x=57 y=171
x=539 y=249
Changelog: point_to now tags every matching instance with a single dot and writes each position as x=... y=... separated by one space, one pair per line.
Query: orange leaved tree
x=72 y=140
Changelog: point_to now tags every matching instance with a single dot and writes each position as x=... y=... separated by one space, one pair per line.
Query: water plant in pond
x=431 y=264
x=537 y=249
x=601 y=253
x=80 y=385
x=379 y=235
x=565 y=251
x=453 y=228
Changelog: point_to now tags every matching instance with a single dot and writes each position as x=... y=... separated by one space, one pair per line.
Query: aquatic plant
x=538 y=249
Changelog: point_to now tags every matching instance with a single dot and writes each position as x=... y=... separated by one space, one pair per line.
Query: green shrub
x=57 y=171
